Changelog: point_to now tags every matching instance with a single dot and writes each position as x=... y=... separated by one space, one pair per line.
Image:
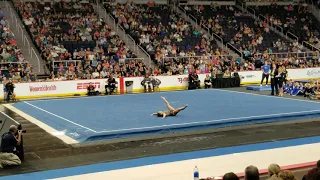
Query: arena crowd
x=77 y=44
x=12 y=62
x=274 y=173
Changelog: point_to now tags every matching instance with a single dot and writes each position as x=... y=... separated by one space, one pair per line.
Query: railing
x=135 y=59
x=149 y=57
x=251 y=10
x=184 y=13
x=13 y=63
x=33 y=52
x=182 y=58
x=65 y=63
x=134 y=42
x=296 y=54
x=124 y=32
x=195 y=19
x=262 y=17
x=310 y=46
x=235 y=49
x=292 y=36
x=25 y=40
x=114 y=22
x=217 y=36
x=277 y=27
x=315 y=10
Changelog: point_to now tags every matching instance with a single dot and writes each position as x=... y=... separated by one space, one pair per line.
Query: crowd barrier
x=179 y=82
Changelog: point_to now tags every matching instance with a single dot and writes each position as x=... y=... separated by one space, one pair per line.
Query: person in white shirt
x=104 y=73
x=95 y=74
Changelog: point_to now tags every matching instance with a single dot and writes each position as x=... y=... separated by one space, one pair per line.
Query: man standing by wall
x=265 y=72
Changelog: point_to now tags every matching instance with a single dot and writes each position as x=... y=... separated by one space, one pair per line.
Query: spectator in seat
x=312 y=171
x=147 y=83
x=251 y=173
x=308 y=90
x=194 y=82
x=230 y=176
x=287 y=175
x=207 y=82
x=273 y=170
x=111 y=85
x=313 y=174
x=91 y=90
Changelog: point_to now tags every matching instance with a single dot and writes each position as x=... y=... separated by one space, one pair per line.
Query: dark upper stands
x=240 y=29
x=297 y=19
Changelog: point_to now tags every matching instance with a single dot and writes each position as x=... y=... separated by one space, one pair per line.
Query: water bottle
x=196 y=173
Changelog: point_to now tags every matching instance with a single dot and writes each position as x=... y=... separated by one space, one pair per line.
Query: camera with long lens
x=20 y=129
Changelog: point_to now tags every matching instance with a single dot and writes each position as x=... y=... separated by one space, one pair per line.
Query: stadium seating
x=297 y=19
x=73 y=40
x=71 y=31
x=160 y=31
x=11 y=59
x=240 y=29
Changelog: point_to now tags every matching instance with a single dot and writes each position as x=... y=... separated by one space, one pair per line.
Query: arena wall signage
x=179 y=82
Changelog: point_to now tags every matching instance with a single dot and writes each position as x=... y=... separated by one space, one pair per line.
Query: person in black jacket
x=10 y=91
x=194 y=82
x=111 y=85
x=274 y=80
x=91 y=90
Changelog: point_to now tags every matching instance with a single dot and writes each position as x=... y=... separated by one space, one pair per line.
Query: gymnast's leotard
x=168 y=113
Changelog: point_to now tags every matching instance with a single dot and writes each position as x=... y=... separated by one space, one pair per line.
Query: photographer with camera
x=91 y=90
x=111 y=85
x=10 y=91
x=9 y=141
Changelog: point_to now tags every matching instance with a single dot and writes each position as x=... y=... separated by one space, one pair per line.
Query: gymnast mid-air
x=171 y=111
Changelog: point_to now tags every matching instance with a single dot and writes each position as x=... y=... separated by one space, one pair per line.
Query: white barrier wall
x=255 y=76
x=62 y=88
x=67 y=88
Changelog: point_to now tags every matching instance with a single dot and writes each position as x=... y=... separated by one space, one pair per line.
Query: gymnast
x=171 y=111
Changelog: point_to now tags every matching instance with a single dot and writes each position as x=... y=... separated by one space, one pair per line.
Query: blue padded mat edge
x=259 y=88
x=203 y=125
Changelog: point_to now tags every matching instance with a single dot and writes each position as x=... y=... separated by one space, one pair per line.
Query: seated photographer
x=207 y=82
x=147 y=83
x=91 y=90
x=10 y=91
x=194 y=82
x=111 y=85
x=9 y=141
